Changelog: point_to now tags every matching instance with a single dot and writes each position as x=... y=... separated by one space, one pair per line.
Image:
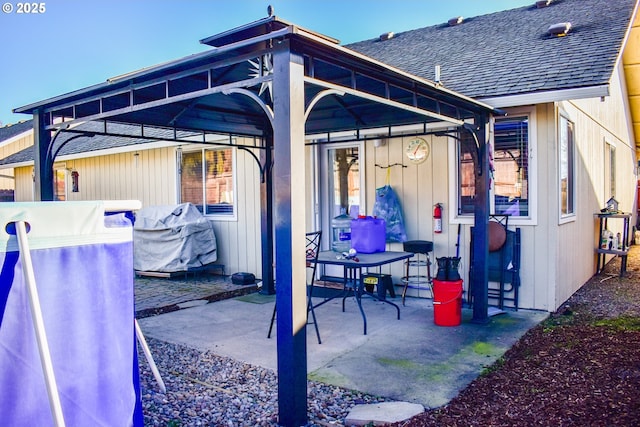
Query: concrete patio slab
x=410 y=359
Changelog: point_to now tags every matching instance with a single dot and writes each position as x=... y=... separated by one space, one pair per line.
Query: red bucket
x=447 y=302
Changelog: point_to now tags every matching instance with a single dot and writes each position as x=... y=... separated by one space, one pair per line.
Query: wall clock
x=417 y=151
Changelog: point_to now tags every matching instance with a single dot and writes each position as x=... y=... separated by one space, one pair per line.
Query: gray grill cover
x=172 y=239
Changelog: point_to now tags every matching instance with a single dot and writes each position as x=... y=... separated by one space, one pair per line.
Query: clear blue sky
x=74 y=43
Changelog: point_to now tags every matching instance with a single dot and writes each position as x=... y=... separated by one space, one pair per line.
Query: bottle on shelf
x=606 y=240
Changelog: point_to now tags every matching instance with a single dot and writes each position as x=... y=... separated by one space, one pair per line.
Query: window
x=511 y=166
x=566 y=173
x=467 y=161
x=610 y=167
x=59 y=183
x=207 y=181
x=510 y=189
x=344 y=182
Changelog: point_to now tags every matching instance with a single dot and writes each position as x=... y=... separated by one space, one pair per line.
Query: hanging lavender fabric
x=83 y=271
x=387 y=206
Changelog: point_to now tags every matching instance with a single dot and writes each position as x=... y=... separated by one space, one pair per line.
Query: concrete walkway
x=410 y=359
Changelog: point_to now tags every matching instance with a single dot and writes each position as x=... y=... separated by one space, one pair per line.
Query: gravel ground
x=580 y=367
x=204 y=389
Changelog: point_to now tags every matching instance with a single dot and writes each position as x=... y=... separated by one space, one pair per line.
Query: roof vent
x=559 y=30
x=386 y=36
x=455 y=21
x=543 y=3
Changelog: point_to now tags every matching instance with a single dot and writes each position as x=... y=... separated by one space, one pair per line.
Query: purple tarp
x=86 y=294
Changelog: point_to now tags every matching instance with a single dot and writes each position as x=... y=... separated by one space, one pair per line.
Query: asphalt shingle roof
x=510 y=52
x=9 y=131
x=499 y=54
x=81 y=145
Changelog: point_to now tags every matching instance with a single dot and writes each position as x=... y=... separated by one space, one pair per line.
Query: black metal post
x=43 y=164
x=481 y=218
x=266 y=218
x=289 y=219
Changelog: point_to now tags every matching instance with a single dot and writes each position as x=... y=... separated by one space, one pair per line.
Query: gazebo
x=275 y=83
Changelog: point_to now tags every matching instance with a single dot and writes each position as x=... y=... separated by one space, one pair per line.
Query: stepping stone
x=382 y=413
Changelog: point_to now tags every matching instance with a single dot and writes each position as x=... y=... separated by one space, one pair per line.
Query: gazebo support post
x=480 y=277
x=288 y=181
x=43 y=165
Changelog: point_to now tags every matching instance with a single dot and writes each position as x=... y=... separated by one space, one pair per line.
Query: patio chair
x=503 y=262
x=312 y=249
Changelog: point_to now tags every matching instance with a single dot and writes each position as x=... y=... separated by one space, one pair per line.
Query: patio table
x=352 y=274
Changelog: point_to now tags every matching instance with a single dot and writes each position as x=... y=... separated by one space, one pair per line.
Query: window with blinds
x=510 y=179
x=511 y=166
x=566 y=173
x=206 y=180
x=467 y=161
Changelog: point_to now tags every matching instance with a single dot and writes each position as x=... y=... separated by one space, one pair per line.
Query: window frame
x=233 y=216
x=611 y=169
x=325 y=170
x=565 y=217
x=454 y=176
x=62 y=169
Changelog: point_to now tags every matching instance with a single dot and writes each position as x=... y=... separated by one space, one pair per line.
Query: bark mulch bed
x=580 y=367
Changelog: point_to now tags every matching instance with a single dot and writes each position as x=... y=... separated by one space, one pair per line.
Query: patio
x=410 y=359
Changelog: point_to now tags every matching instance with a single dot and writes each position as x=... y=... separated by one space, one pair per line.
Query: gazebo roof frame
x=364 y=82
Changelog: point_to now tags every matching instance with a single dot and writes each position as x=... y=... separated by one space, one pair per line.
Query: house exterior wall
x=239 y=244
x=146 y=175
x=5 y=182
x=420 y=187
x=598 y=123
x=549 y=244
x=152 y=179
x=8 y=148
x=24 y=184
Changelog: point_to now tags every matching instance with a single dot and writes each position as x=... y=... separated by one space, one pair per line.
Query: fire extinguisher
x=437 y=218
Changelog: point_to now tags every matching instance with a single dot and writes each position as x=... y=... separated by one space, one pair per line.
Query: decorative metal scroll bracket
x=472 y=130
x=51 y=155
x=263 y=168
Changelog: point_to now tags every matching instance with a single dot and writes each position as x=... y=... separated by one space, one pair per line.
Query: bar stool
x=414 y=279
